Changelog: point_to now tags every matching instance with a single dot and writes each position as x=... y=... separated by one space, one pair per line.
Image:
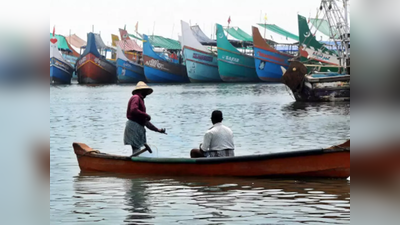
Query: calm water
x=264 y=119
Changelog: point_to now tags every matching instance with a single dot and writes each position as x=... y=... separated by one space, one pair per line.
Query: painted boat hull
x=71 y=59
x=201 y=66
x=94 y=70
x=324 y=163
x=233 y=66
x=312 y=93
x=160 y=71
x=268 y=60
x=323 y=69
x=236 y=68
x=60 y=72
x=128 y=72
x=268 y=64
x=318 y=66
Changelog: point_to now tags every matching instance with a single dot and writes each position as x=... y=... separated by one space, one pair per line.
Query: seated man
x=218 y=140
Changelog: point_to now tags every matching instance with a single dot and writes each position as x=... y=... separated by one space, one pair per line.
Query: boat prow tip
x=81 y=148
x=283 y=70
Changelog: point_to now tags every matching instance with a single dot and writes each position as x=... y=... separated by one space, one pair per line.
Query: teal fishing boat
x=201 y=62
x=233 y=65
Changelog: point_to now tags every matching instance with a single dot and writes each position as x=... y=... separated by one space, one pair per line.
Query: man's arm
x=206 y=142
x=154 y=128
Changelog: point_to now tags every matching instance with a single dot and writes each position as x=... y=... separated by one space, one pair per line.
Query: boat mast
x=347 y=25
x=346 y=21
x=338 y=25
x=326 y=5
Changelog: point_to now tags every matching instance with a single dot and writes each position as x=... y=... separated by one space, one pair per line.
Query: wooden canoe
x=333 y=162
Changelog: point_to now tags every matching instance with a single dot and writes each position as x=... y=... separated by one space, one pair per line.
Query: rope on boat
x=290 y=92
x=154 y=147
x=341 y=148
x=337 y=147
x=90 y=152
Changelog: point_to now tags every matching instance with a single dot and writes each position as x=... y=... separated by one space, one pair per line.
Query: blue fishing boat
x=127 y=70
x=201 y=63
x=268 y=61
x=158 y=69
x=60 y=70
x=129 y=65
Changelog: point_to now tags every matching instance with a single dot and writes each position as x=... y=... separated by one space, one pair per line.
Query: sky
x=78 y=16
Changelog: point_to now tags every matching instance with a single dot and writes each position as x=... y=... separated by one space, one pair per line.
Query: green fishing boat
x=309 y=85
x=233 y=65
x=314 y=54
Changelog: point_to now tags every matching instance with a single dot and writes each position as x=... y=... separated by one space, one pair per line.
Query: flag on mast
x=136 y=27
x=54 y=40
x=229 y=21
x=114 y=39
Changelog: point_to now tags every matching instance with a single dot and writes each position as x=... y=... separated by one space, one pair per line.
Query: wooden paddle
x=147 y=148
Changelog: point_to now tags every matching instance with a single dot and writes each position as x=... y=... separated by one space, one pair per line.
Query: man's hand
x=162 y=131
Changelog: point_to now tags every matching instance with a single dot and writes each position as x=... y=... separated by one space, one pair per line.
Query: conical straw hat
x=142 y=86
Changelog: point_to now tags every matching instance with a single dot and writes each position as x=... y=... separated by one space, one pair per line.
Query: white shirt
x=219 y=137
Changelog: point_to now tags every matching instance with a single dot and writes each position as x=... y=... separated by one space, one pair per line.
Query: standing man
x=218 y=140
x=135 y=133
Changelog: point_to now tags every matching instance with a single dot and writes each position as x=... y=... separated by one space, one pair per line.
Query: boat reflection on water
x=164 y=200
x=99 y=196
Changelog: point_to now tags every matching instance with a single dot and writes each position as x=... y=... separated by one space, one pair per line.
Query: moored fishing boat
x=268 y=61
x=234 y=66
x=92 y=67
x=312 y=85
x=60 y=69
x=158 y=69
x=317 y=86
x=314 y=54
x=333 y=162
x=201 y=63
x=129 y=70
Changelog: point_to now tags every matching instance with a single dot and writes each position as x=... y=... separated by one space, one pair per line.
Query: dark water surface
x=264 y=119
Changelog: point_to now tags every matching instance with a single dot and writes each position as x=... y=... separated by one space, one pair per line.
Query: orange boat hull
x=92 y=70
x=324 y=163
